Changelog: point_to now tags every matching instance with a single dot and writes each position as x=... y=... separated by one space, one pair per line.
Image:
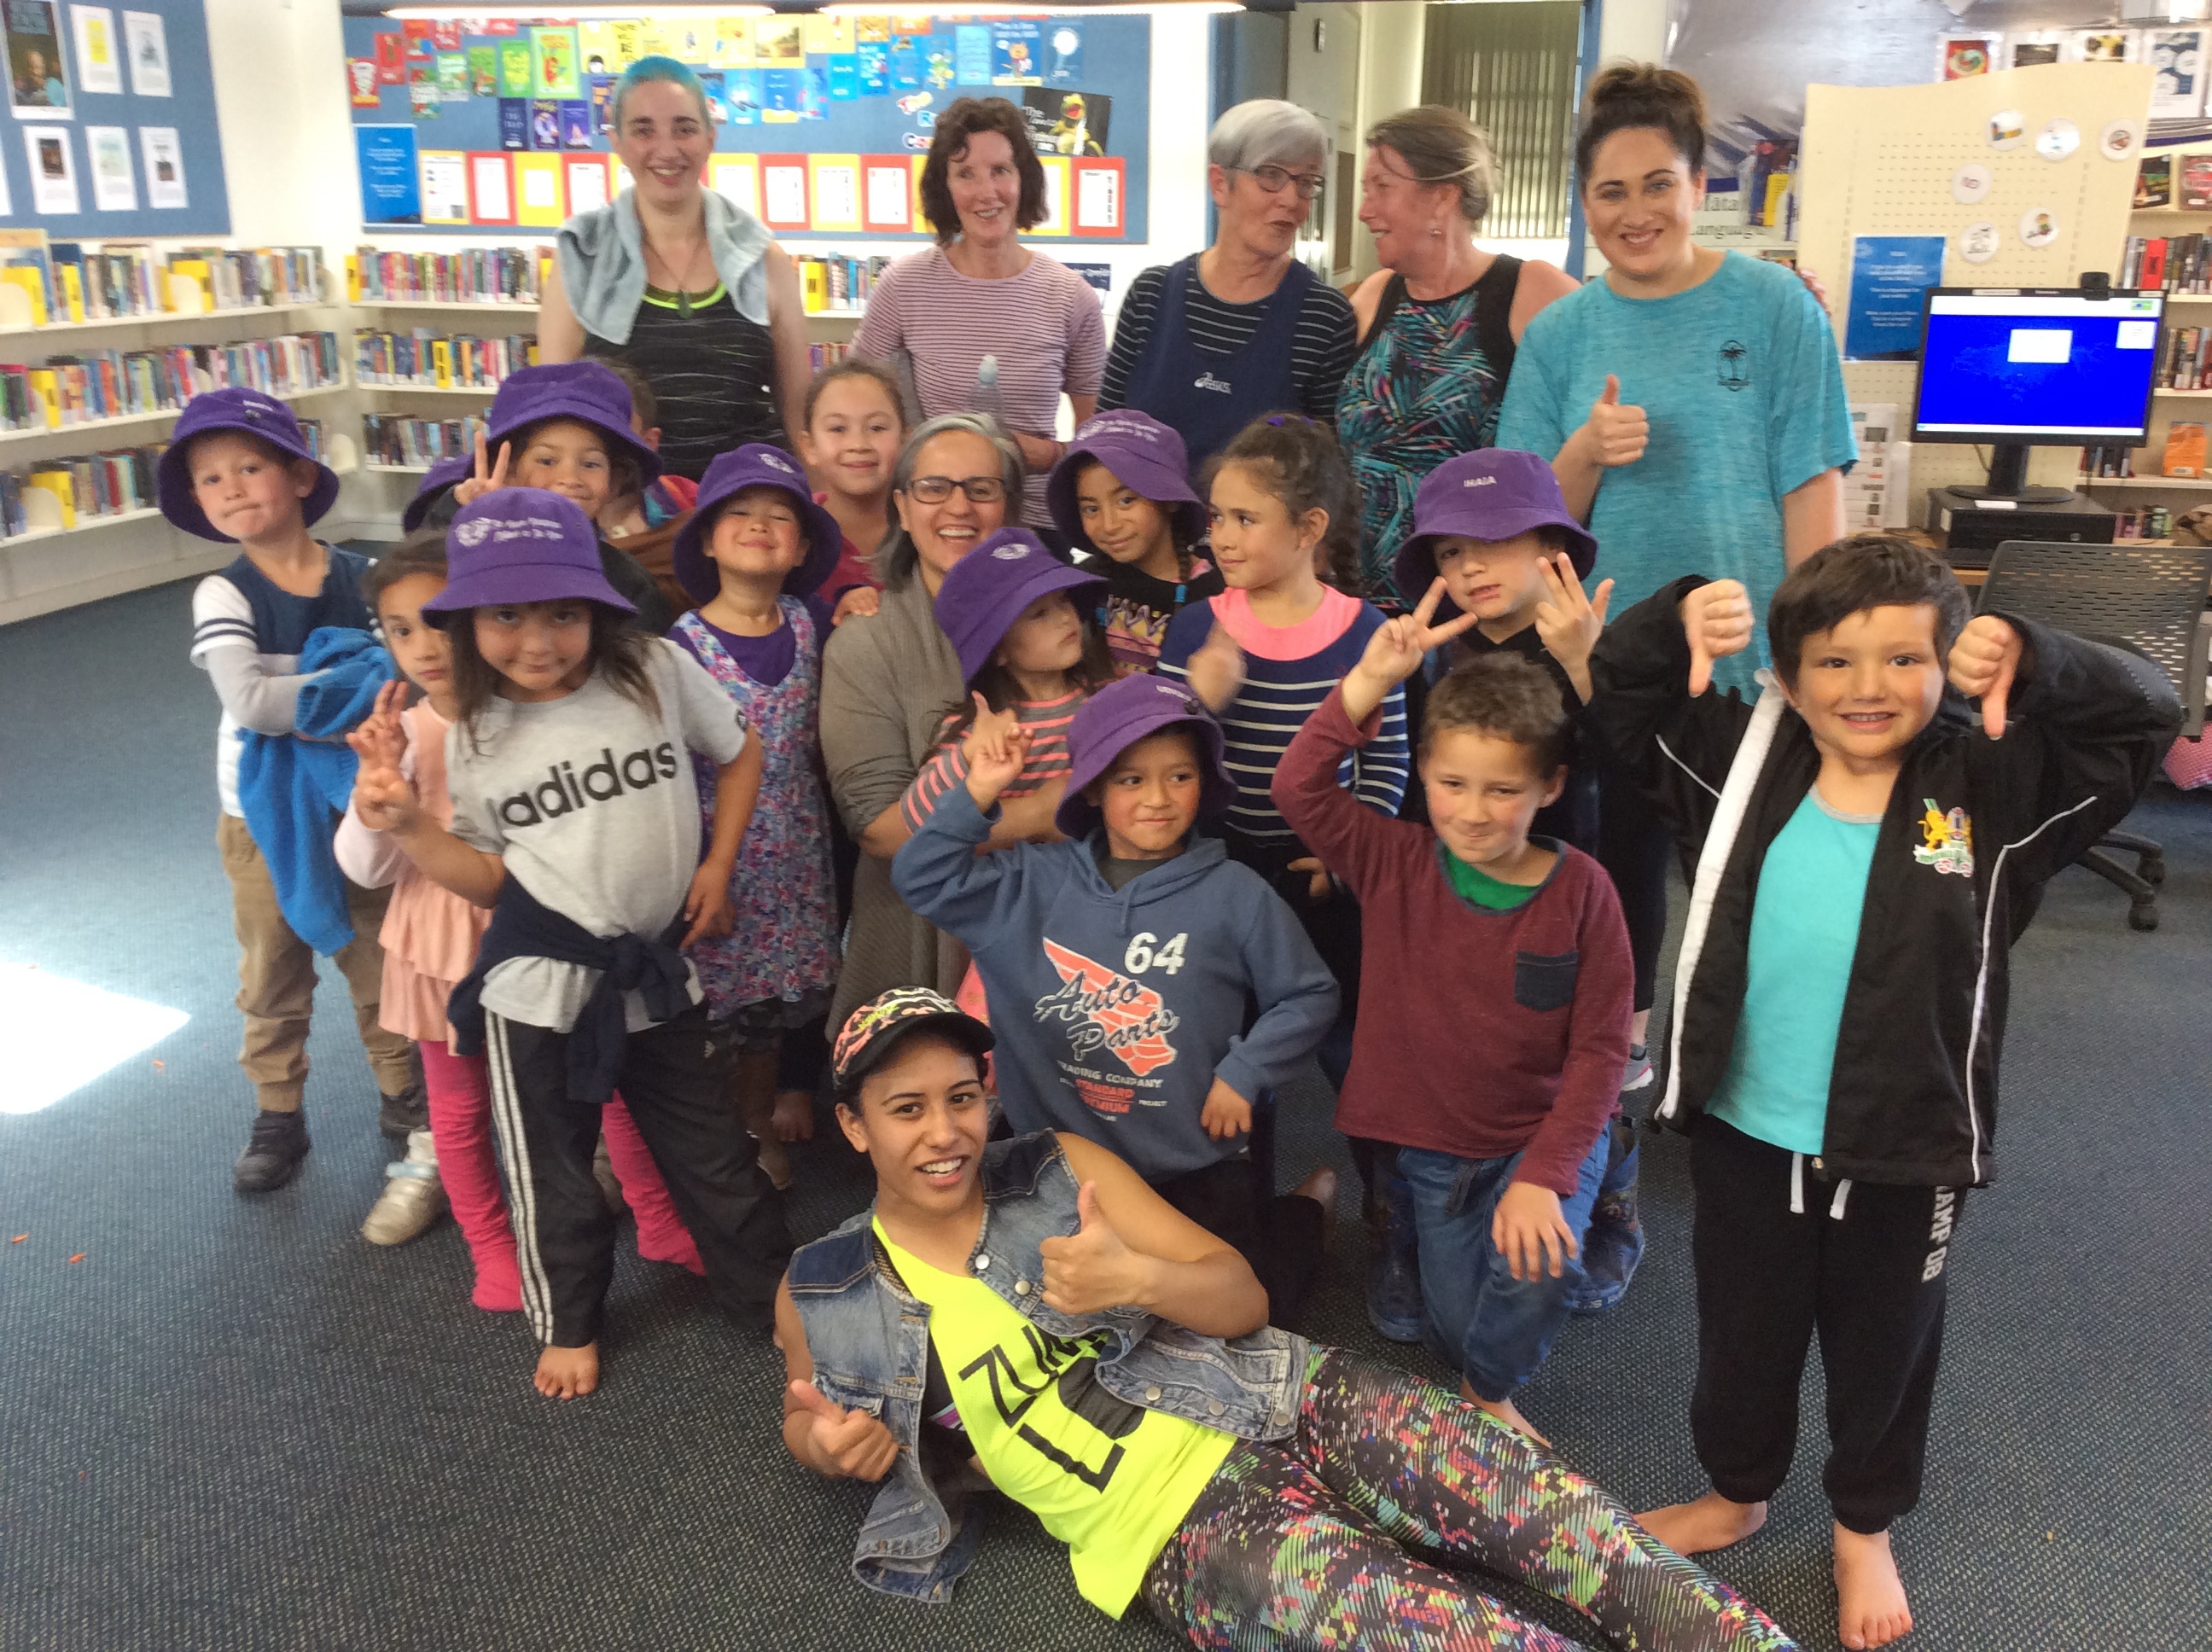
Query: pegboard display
x=2027 y=174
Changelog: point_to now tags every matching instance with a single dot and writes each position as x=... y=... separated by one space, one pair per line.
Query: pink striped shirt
x=1043 y=325
x=1047 y=722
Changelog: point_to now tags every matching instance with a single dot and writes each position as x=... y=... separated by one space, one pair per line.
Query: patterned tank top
x=711 y=371
x=1426 y=385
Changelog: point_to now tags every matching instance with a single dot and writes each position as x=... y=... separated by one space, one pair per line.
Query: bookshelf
x=156 y=415
x=469 y=307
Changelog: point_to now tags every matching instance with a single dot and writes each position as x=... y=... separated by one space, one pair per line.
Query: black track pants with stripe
x=675 y=1081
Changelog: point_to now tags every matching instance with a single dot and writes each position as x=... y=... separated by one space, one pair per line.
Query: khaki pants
x=276 y=980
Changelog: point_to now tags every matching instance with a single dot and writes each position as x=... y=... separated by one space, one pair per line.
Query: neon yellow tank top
x=1110 y=1479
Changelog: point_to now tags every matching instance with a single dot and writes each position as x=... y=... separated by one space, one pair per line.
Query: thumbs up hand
x=1617 y=432
x=1717 y=621
x=1090 y=1270
x=849 y=1443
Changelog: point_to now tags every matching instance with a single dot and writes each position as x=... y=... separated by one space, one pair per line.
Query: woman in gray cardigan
x=888 y=681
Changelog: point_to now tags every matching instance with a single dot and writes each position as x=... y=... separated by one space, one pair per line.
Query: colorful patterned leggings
x=1312 y=1543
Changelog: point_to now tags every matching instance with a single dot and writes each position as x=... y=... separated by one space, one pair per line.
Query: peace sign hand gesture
x=487 y=475
x=1395 y=652
x=1568 y=621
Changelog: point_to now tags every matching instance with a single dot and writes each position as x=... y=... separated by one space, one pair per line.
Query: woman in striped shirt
x=1266 y=652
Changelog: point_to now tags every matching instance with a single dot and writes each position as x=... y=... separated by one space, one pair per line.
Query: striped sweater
x=1288 y=671
x=1047 y=722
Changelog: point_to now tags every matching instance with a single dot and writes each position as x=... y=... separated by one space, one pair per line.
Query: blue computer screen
x=2037 y=367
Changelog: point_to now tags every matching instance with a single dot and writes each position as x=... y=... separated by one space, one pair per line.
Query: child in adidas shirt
x=1120 y=963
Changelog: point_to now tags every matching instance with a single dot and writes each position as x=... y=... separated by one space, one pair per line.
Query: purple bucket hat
x=518 y=545
x=1145 y=455
x=1493 y=493
x=755 y=464
x=587 y=392
x=1116 y=718
x=443 y=475
x=985 y=590
x=250 y=413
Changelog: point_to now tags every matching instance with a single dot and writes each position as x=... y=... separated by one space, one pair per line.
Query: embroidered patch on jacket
x=1949 y=845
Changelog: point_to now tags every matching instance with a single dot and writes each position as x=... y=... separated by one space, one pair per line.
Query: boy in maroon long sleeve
x=1494 y=994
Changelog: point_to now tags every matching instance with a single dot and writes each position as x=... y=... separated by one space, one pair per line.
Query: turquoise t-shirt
x=1804 y=934
x=1744 y=390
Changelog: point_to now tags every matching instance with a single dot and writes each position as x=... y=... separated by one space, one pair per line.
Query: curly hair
x=1507 y=698
x=956 y=128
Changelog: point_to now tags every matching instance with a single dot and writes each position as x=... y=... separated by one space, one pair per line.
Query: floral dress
x=775 y=968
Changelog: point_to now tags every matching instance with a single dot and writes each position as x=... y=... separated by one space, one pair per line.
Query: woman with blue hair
x=681 y=282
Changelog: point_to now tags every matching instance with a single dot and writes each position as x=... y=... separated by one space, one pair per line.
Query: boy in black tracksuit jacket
x=1867 y=852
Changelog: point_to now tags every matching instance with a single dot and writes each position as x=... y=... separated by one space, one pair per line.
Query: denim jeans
x=1494 y=1328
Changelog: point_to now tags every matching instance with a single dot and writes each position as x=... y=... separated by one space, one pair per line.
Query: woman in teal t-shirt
x=1692 y=401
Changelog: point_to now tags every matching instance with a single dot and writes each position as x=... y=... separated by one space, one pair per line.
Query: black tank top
x=712 y=374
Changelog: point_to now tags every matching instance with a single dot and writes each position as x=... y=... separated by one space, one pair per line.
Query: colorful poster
x=454 y=76
x=733 y=43
x=445 y=182
x=1066 y=123
x=165 y=167
x=38 y=78
x=392 y=59
x=872 y=60
x=483 y=71
x=99 y=64
x=595 y=43
x=422 y=96
x=514 y=68
x=446 y=35
x=780 y=96
x=741 y=90
x=390 y=190
x=1016 y=48
x=146 y=43
x=362 y=82
x=513 y=123
x=1056 y=186
x=628 y=35
x=972 y=54
x=2176 y=57
x=1063 y=57
x=576 y=124
x=905 y=64
x=553 y=66
x=537 y=203
x=114 y=186
x=872 y=31
x=824 y=36
x=602 y=90
x=1890 y=277
x=53 y=170
x=544 y=123
x=777 y=40
x=1099 y=198
x=843 y=72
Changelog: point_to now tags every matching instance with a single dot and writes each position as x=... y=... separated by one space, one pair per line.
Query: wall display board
x=820 y=123
x=102 y=144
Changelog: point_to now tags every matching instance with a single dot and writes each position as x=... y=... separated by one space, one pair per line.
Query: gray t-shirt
x=590 y=800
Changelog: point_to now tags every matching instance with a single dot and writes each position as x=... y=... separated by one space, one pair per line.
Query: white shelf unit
x=481 y=392
x=165 y=318
x=122 y=421
x=446 y=306
x=2160 y=481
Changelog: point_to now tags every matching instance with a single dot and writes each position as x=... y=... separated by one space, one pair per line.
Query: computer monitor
x=2017 y=367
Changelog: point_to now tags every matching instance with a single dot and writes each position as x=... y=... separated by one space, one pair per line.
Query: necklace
x=682 y=276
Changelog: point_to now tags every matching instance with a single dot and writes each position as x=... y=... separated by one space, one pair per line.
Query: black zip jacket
x=1973 y=825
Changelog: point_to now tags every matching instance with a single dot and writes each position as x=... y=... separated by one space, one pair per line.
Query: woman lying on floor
x=1030 y=1311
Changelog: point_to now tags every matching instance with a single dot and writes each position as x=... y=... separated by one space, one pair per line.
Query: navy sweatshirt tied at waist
x=521 y=927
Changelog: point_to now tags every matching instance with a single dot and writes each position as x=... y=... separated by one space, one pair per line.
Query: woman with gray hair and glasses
x=1242 y=329
x=1438 y=324
x=890 y=679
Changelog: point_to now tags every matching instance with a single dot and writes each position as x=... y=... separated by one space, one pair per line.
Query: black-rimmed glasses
x=936 y=489
x=1275 y=180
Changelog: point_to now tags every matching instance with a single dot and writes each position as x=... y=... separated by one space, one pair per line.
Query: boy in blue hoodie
x=1123 y=963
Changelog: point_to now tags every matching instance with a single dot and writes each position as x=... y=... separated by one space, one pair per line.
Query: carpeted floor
x=234 y=1424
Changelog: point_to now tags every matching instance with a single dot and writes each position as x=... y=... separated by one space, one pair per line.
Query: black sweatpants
x=1780 y=1254
x=1635 y=847
x=1282 y=1235
x=675 y=1080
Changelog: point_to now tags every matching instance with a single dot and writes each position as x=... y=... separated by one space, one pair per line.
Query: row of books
x=388 y=440
x=2174 y=263
x=835 y=282
x=2181 y=363
x=67 y=390
x=76 y=281
x=476 y=275
x=828 y=355
x=429 y=358
x=2108 y=462
x=87 y=487
x=2159 y=176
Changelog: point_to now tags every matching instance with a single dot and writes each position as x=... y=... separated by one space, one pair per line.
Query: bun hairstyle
x=1443 y=146
x=1299 y=462
x=1627 y=97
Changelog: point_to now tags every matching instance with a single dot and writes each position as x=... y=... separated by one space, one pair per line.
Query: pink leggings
x=468 y=1164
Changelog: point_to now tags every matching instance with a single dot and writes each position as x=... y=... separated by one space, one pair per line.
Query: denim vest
x=870 y=1343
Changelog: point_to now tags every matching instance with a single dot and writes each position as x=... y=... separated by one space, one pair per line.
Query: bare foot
x=1872 y=1609
x=794 y=1115
x=567 y=1373
x=1711 y=1523
x=1504 y=1411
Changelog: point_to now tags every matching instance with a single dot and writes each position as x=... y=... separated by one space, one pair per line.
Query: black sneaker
x=397 y=1116
x=272 y=1154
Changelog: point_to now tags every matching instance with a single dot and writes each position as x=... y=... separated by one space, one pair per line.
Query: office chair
x=2149 y=597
